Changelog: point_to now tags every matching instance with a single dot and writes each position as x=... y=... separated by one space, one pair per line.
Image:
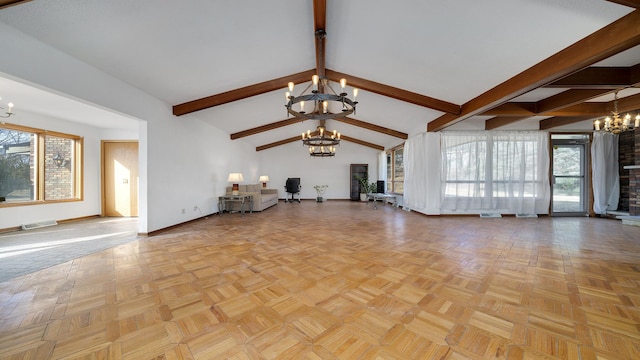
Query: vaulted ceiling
x=420 y=65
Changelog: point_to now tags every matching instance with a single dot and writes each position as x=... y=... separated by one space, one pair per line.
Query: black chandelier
x=320 y=100
x=321 y=143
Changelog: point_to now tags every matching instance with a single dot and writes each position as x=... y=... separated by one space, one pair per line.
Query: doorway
x=120 y=178
x=570 y=175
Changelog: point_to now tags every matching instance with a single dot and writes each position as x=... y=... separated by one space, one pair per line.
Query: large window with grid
x=39 y=166
x=395 y=170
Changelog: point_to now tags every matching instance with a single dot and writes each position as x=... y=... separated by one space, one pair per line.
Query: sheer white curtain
x=604 y=164
x=421 y=177
x=497 y=171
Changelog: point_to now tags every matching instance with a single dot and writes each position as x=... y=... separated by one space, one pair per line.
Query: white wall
x=183 y=161
x=293 y=160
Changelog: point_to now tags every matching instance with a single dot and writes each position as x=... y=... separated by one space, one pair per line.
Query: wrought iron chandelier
x=321 y=143
x=617 y=124
x=320 y=100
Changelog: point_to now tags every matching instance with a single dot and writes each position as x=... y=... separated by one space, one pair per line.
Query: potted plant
x=365 y=187
x=320 y=189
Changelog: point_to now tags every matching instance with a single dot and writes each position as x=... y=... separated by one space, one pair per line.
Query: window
x=38 y=166
x=395 y=170
x=495 y=171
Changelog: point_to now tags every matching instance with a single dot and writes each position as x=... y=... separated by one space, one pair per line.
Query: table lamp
x=234 y=179
x=264 y=179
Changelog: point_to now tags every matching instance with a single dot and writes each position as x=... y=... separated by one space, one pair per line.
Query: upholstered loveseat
x=262 y=198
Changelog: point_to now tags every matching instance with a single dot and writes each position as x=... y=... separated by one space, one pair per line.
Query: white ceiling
x=179 y=51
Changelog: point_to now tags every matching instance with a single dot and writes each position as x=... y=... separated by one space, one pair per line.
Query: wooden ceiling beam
x=596 y=77
x=313 y=133
x=500 y=121
x=568 y=98
x=614 y=38
x=549 y=123
x=241 y=93
x=626 y=104
x=592 y=109
x=394 y=92
x=372 y=127
x=635 y=75
x=263 y=128
x=8 y=3
x=361 y=142
x=278 y=143
x=319 y=28
x=629 y=3
x=512 y=109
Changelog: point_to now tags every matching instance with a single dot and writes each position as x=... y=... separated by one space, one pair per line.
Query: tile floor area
x=24 y=252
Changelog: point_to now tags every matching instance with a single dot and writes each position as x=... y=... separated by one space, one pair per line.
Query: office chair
x=292 y=187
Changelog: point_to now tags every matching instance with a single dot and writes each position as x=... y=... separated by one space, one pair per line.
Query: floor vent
x=526 y=215
x=40 y=224
x=490 y=215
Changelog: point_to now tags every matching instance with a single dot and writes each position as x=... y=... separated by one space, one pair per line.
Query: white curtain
x=496 y=171
x=421 y=160
x=606 y=179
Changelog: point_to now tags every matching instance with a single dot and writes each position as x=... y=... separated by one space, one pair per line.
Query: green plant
x=320 y=189
x=365 y=186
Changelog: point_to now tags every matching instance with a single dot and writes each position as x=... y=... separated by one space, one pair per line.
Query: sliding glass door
x=570 y=180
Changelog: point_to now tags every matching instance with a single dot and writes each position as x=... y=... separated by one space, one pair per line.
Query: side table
x=223 y=202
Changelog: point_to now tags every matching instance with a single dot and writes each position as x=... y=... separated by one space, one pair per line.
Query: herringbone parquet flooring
x=339 y=280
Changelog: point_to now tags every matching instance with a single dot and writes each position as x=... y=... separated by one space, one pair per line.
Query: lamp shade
x=263 y=178
x=235 y=178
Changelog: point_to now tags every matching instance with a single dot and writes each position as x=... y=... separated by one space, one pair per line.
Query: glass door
x=569 y=175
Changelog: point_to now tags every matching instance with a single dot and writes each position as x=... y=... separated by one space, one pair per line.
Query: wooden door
x=357 y=171
x=120 y=178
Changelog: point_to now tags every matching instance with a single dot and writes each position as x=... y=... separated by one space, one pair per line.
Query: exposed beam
x=614 y=38
x=549 y=123
x=500 y=121
x=629 y=3
x=320 y=23
x=567 y=103
x=8 y=3
x=361 y=142
x=313 y=133
x=584 y=109
x=395 y=93
x=512 y=109
x=635 y=74
x=596 y=77
x=568 y=98
x=241 y=93
x=629 y=103
x=278 y=143
x=372 y=127
x=263 y=128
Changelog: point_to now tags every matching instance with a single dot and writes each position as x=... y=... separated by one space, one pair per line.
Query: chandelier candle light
x=617 y=124
x=9 y=111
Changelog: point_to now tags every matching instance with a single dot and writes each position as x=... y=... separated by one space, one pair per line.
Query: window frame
x=76 y=166
x=391 y=183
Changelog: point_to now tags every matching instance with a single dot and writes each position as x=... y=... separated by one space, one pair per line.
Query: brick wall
x=58 y=181
x=634 y=178
x=626 y=151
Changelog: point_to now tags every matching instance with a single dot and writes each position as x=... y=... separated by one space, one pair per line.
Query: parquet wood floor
x=339 y=280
